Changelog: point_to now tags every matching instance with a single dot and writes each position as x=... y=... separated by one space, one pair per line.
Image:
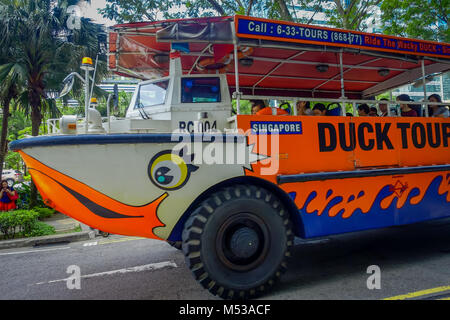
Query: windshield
x=197 y=90
x=152 y=94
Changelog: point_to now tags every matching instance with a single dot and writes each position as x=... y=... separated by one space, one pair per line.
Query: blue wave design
x=432 y=206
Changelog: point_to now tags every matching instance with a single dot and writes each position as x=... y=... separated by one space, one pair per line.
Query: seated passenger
x=363 y=110
x=319 y=109
x=438 y=111
x=286 y=106
x=259 y=108
x=383 y=108
x=304 y=108
x=268 y=111
x=406 y=110
x=334 y=109
x=373 y=112
x=257 y=105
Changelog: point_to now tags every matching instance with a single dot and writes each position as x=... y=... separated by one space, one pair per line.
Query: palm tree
x=11 y=80
x=45 y=49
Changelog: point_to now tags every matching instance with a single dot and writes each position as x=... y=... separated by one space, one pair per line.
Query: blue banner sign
x=293 y=32
x=276 y=127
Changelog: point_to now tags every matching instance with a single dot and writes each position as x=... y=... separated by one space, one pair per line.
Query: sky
x=90 y=11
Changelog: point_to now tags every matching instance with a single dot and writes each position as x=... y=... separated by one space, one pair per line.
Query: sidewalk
x=62 y=223
x=64 y=227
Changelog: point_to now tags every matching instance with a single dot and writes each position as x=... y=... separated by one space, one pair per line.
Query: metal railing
x=344 y=101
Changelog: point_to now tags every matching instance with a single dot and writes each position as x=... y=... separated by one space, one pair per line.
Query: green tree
x=45 y=48
x=11 y=80
x=351 y=14
x=423 y=19
x=152 y=10
x=342 y=13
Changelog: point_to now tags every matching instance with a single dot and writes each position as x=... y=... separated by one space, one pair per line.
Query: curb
x=29 y=242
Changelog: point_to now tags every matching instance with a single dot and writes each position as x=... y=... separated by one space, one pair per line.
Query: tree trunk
x=284 y=10
x=36 y=118
x=4 y=133
x=217 y=7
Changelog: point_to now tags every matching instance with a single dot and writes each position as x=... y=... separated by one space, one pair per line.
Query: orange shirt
x=267 y=111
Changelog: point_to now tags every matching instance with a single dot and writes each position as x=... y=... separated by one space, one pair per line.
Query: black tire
x=175 y=244
x=237 y=242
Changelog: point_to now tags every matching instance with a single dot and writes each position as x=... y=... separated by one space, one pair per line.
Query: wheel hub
x=242 y=242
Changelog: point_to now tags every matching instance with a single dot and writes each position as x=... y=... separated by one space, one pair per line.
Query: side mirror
x=67 y=85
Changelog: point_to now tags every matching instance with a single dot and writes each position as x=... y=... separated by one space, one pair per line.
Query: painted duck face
x=169 y=171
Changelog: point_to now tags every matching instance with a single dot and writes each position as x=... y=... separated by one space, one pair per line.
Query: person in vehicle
x=438 y=111
x=319 y=109
x=304 y=108
x=373 y=112
x=257 y=105
x=363 y=110
x=268 y=111
x=259 y=108
x=286 y=106
x=383 y=108
x=334 y=109
x=406 y=109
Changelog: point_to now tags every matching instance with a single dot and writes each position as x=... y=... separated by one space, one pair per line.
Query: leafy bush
x=40 y=229
x=24 y=191
x=44 y=212
x=7 y=224
x=18 y=221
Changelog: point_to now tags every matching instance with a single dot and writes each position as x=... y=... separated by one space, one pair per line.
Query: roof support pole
x=342 y=76
x=341 y=65
x=237 y=93
x=389 y=105
x=424 y=87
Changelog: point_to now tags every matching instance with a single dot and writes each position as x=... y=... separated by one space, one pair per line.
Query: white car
x=12 y=176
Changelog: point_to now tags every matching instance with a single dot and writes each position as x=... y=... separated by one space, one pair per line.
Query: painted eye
x=169 y=171
x=162 y=177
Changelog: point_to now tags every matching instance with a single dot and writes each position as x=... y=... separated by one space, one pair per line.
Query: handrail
x=345 y=100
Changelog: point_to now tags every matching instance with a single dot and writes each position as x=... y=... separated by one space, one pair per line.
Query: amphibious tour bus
x=232 y=190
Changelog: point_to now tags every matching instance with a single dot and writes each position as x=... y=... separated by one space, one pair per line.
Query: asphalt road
x=412 y=260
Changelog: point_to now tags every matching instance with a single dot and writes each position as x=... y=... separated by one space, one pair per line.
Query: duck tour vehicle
x=232 y=190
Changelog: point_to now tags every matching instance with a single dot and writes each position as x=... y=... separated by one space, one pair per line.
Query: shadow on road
x=322 y=261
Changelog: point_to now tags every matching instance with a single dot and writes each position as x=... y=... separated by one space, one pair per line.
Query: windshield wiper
x=140 y=107
x=141 y=110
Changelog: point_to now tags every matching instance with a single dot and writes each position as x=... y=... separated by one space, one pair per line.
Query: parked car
x=12 y=176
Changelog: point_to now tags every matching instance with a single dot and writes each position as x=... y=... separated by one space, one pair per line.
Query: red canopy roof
x=282 y=58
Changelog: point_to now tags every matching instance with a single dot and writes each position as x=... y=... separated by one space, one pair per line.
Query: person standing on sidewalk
x=8 y=197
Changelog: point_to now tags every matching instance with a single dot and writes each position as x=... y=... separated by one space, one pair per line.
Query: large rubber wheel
x=237 y=242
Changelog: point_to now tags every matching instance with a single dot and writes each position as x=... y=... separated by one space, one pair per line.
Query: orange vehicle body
x=365 y=172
